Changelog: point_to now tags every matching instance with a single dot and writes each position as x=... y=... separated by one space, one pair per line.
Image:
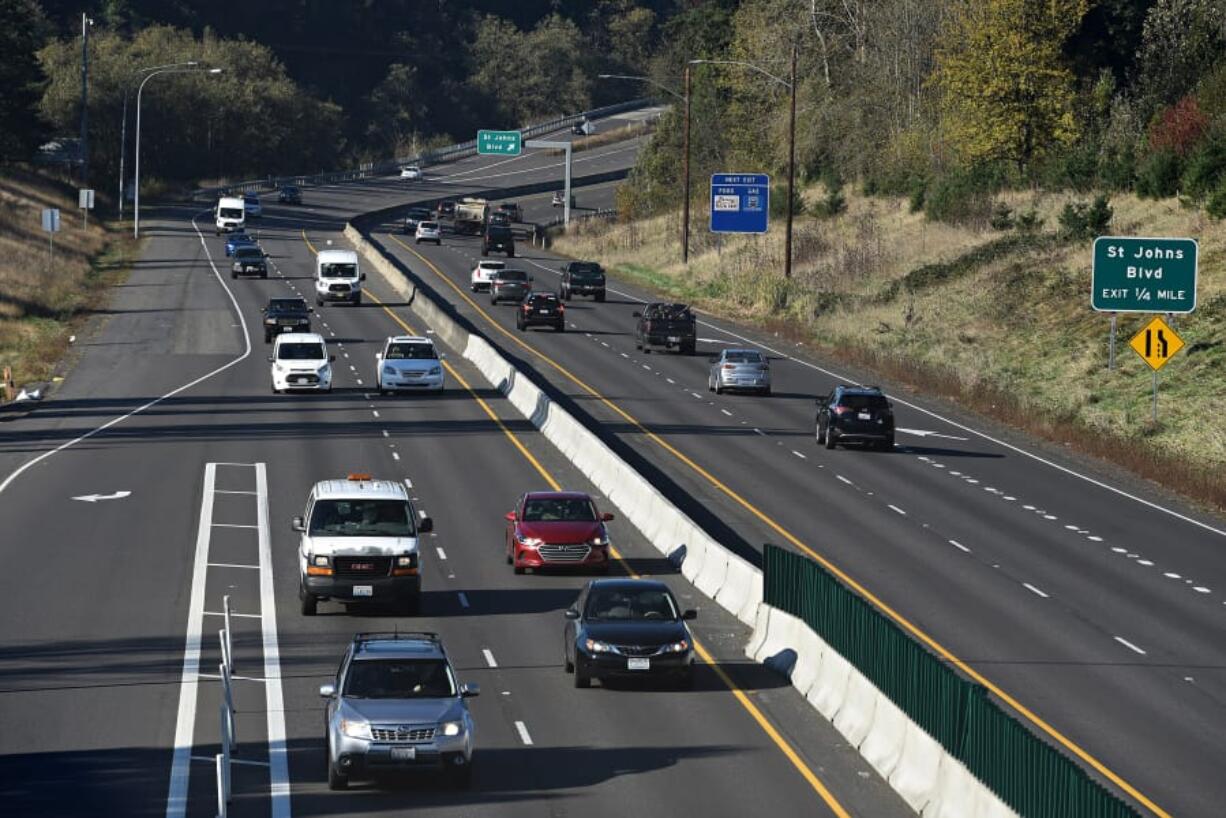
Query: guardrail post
x=225 y=603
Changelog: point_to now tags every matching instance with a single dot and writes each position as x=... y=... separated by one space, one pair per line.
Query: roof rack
x=370 y=636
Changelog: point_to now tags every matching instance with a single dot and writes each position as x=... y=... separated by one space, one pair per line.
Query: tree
x=1005 y=92
x=1182 y=41
x=23 y=31
x=531 y=74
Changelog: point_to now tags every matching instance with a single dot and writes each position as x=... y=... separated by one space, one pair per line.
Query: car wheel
x=646 y=350
x=830 y=439
x=493 y=300
x=357 y=300
x=582 y=680
x=689 y=350
x=462 y=776
x=567 y=665
x=319 y=302
x=484 y=252
x=412 y=606
x=264 y=275
x=267 y=338
x=600 y=297
x=766 y=393
x=637 y=345
x=818 y=435
x=309 y=603
x=565 y=294
x=560 y=327
x=719 y=390
x=510 y=254
x=336 y=780
x=887 y=445
x=417 y=241
x=519 y=569
x=233 y=274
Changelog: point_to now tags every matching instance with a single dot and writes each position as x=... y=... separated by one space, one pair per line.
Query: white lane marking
x=375 y=412
x=277 y=756
x=385 y=433
x=395 y=455
x=232 y=565
x=844 y=479
x=670 y=380
x=798 y=454
x=232 y=525
x=624 y=355
x=896 y=509
x=759 y=431
x=93 y=498
x=360 y=382
x=726 y=412
x=233 y=760
x=1172 y=575
x=1201 y=589
x=523 y=733
x=1129 y=645
x=925 y=433
x=1033 y=589
x=408 y=484
x=695 y=394
x=489 y=657
x=463 y=599
x=231 y=491
x=442 y=555
x=959 y=545
x=185 y=723
x=645 y=366
x=233 y=613
x=145 y=406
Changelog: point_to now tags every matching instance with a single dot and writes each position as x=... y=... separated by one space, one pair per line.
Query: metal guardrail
x=369 y=169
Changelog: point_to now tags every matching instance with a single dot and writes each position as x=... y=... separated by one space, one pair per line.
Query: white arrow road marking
x=925 y=433
x=93 y=498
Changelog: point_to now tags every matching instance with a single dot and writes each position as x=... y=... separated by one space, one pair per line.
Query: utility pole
x=787 y=241
x=685 y=204
x=85 y=24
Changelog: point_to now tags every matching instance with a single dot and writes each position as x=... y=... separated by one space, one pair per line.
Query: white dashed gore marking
x=442 y=555
x=726 y=412
x=489 y=660
x=395 y=455
x=1129 y=645
x=523 y=733
x=798 y=454
x=1034 y=590
x=896 y=509
x=959 y=546
x=844 y=479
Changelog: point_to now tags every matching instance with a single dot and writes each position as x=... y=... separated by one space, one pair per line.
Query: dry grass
x=1002 y=325
x=43 y=301
x=584 y=143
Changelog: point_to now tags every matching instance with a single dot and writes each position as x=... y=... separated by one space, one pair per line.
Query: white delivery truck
x=230 y=215
x=337 y=277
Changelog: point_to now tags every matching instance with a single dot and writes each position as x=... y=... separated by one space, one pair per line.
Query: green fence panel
x=1027 y=773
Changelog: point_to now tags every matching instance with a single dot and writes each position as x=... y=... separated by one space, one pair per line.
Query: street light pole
x=85 y=24
x=139 y=90
x=685 y=203
x=787 y=241
x=123 y=125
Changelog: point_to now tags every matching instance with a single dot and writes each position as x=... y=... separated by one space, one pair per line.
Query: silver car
x=409 y=362
x=396 y=707
x=510 y=285
x=740 y=369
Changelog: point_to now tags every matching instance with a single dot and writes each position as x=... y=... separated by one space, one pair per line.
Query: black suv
x=249 y=259
x=541 y=309
x=583 y=278
x=671 y=326
x=285 y=315
x=855 y=414
x=445 y=209
x=498 y=238
x=415 y=215
x=290 y=194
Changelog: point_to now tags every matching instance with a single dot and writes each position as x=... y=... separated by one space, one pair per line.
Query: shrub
x=779 y=201
x=1029 y=222
x=1075 y=170
x=1002 y=217
x=1158 y=176
x=832 y=204
x=1179 y=127
x=1205 y=169
x=917 y=192
x=1117 y=168
x=963 y=196
x=1086 y=221
x=1216 y=206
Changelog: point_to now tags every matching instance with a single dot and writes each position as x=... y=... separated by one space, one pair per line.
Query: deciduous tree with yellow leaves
x=1005 y=91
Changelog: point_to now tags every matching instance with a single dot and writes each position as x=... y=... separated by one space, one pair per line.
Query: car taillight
x=840 y=410
x=729 y=366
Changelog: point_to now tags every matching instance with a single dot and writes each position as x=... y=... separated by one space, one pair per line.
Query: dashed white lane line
x=645 y=366
x=375 y=412
x=759 y=431
x=844 y=479
x=463 y=599
x=395 y=455
x=523 y=733
x=959 y=545
x=489 y=658
x=442 y=555
x=695 y=394
x=624 y=355
x=896 y=509
x=798 y=454
x=360 y=382
x=726 y=412
x=385 y=433
x=1129 y=645
x=670 y=380
x=1034 y=590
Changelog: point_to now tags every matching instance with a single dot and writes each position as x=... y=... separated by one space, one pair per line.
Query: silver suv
x=396 y=707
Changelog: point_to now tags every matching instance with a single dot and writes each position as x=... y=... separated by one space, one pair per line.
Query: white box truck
x=229 y=215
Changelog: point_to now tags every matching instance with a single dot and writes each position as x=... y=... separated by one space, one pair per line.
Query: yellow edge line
x=784 y=746
x=914 y=630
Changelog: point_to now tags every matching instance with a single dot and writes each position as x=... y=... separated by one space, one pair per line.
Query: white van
x=337 y=277
x=230 y=214
x=300 y=360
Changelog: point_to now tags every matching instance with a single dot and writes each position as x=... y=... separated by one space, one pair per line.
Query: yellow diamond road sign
x=1157 y=343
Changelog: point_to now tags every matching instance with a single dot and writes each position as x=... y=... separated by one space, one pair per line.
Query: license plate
x=363 y=590
x=546 y=312
x=864 y=416
x=404 y=753
x=673 y=339
x=634 y=663
x=288 y=322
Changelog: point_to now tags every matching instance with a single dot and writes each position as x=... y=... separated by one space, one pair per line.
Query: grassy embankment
x=995 y=321
x=43 y=302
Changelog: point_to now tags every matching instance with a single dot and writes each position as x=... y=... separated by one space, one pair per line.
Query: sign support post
x=1111 y=347
x=563 y=146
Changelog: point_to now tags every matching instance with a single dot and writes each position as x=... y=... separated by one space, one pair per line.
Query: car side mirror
x=271 y=359
x=327 y=691
x=362 y=277
x=267 y=255
x=470 y=689
x=296 y=524
x=331 y=359
x=637 y=315
x=690 y=614
x=310 y=309
x=425 y=525
x=531 y=278
x=378 y=356
x=607 y=517
x=510 y=516
x=263 y=309
x=713 y=360
x=571 y=613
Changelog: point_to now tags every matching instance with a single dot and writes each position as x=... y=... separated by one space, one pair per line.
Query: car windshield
x=300 y=351
x=742 y=357
x=230 y=213
x=338 y=270
x=428 y=225
x=513 y=275
x=419 y=214
x=863 y=401
x=251 y=200
x=622 y=604
x=417 y=352
x=499 y=232
x=399 y=679
x=493 y=266
x=287 y=305
x=362 y=518
x=559 y=509
x=543 y=299
x=248 y=251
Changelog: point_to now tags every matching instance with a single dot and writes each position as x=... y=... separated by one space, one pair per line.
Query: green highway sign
x=1137 y=274
x=501 y=143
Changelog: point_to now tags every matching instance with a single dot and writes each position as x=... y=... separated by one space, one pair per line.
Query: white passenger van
x=337 y=277
x=230 y=214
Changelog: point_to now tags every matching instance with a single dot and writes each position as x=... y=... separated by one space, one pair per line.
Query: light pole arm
x=123 y=124
x=748 y=65
x=647 y=80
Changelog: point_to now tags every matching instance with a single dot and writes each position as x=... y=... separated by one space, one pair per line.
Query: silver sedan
x=740 y=369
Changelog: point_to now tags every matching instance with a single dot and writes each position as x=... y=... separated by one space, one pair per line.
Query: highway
x=1089 y=599
x=190 y=470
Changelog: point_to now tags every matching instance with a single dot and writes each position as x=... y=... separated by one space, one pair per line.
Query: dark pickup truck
x=582 y=278
x=498 y=238
x=249 y=260
x=670 y=326
x=286 y=315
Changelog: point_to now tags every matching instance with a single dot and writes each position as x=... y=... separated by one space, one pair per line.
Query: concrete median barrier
x=737 y=592
x=915 y=775
x=829 y=689
x=883 y=745
x=855 y=716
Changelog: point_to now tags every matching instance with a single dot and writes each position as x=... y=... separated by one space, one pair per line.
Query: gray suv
x=396 y=707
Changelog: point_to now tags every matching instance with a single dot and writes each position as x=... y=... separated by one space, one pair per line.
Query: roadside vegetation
x=45 y=300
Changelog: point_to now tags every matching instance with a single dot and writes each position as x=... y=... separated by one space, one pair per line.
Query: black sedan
x=628 y=628
x=541 y=310
x=290 y=194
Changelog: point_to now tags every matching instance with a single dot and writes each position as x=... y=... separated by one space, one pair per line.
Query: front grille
x=338 y=288
x=637 y=650
x=362 y=566
x=302 y=377
x=565 y=553
x=402 y=733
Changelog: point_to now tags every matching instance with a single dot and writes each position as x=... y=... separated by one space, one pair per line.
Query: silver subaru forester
x=396 y=707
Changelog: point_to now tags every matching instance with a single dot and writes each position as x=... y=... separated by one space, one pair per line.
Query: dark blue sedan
x=236 y=240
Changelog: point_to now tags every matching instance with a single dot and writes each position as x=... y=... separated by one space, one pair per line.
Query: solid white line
x=489 y=657
x=442 y=555
x=523 y=733
x=463 y=599
x=185 y=723
x=844 y=479
x=1030 y=587
x=275 y=699
x=1129 y=645
x=231 y=565
x=957 y=544
x=897 y=509
x=246 y=352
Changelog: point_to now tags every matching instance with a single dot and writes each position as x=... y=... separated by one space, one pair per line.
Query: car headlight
x=324 y=371
x=596 y=646
x=532 y=542
x=678 y=647
x=389 y=370
x=356 y=729
x=270 y=320
x=320 y=560
x=599 y=540
x=434 y=370
x=451 y=728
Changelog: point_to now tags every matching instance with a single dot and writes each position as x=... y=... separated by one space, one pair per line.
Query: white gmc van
x=230 y=215
x=337 y=277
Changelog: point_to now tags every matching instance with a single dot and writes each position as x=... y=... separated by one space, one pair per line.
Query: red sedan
x=556 y=529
